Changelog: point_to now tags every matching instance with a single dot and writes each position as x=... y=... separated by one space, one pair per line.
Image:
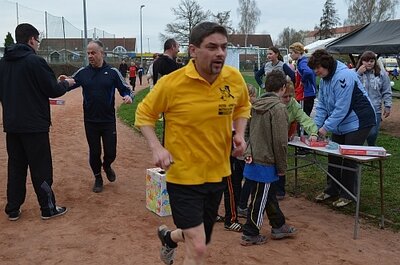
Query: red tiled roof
x=260 y=40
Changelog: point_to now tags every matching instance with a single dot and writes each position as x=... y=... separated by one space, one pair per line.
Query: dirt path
x=114 y=227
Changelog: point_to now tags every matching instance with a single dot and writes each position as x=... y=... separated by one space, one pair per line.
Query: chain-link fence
x=53 y=28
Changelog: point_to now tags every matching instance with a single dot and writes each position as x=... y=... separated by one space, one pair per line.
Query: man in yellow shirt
x=201 y=103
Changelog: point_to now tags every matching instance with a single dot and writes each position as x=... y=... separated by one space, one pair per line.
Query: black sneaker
x=110 y=173
x=167 y=254
x=98 y=185
x=283 y=232
x=14 y=216
x=253 y=240
x=58 y=211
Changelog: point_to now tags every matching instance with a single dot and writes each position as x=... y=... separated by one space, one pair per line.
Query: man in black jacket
x=99 y=81
x=166 y=63
x=26 y=85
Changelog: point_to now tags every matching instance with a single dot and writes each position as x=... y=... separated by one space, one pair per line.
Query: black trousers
x=346 y=177
x=97 y=133
x=263 y=197
x=133 y=82
x=233 y=190
x=33 y=150
x=308 y=104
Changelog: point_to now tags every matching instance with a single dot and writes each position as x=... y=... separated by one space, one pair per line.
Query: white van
x=390 y=63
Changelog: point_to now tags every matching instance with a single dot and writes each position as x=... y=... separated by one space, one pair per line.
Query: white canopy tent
x=319 y=44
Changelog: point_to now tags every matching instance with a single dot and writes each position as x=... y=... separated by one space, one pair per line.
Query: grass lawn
x=312 y=180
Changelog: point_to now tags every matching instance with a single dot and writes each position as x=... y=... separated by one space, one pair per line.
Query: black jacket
x=163 y=66
x=26 y=84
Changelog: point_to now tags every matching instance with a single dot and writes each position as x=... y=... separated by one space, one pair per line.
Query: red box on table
x=360 y=150
x=307 y=141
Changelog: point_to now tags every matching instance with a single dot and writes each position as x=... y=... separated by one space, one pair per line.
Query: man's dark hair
x=25 y=31
x=321 y=58
x=203 y=30
x=170 y=43
x=275 y=80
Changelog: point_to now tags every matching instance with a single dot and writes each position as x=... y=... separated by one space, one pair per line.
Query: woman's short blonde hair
x=289 y=87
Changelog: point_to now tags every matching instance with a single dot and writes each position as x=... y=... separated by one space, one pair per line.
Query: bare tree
x=188 y=14
x=249 y=17
x=289 y=36
x=328 y=20
x=224 y=18
x=366 y=11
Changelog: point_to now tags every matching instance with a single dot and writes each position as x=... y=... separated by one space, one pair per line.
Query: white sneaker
x=322 y=197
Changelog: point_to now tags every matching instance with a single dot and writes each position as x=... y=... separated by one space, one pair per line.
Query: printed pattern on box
x=157 y=199
x=360 y=150
x=319 y=143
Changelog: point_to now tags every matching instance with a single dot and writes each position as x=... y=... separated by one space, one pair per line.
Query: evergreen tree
x=328 y=21
x=8 y=40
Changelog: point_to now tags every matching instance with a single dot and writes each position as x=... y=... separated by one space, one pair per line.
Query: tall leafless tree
x=224 y=18
x=249 y=17
x=365 y=11
x=289 y=36
x=188 y=14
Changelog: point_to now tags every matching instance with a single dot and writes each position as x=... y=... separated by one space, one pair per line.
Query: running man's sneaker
x=283 y=232
x=58 y=212
x=98 y=185
x=167 y=254
x=110 y=173
x=253 y=240
x=14 y=216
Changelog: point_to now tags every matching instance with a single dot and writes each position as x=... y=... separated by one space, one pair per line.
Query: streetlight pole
x=85 y=40
x=141 y=36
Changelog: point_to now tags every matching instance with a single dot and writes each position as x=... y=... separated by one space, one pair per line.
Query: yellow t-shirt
x=198 y=121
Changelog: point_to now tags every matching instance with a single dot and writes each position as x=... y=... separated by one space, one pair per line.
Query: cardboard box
x=307 y=141
x=157 y=199
x=360 y=150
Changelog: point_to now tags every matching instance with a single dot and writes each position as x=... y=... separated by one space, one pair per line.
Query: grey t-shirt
x=269 y=67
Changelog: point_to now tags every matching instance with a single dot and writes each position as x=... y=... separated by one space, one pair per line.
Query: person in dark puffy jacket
x=26 y=85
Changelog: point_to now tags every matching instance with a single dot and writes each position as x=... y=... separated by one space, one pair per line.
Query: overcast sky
x=122 y=17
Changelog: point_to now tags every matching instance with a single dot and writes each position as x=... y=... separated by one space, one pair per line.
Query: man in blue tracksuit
x=99 y=81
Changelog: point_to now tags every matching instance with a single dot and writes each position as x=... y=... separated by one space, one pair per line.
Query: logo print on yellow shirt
x=226 y=93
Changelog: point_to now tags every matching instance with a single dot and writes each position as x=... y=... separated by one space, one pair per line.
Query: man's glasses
x=36 y=39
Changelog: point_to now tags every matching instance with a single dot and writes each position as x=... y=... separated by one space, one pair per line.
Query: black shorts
x=192 y=205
